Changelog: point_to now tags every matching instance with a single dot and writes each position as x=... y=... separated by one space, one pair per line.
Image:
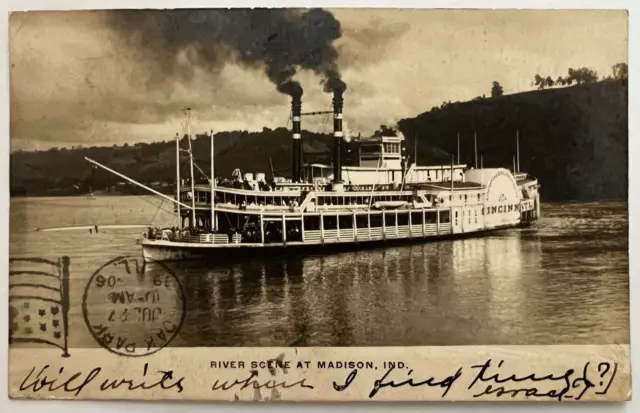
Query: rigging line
x=194 y=164
x=157 y=210
x=201 y=171
x=325 y=120
x=197 y=167
x=149 y=202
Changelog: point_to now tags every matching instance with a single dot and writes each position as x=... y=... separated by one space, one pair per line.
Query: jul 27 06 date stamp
x=132 y=309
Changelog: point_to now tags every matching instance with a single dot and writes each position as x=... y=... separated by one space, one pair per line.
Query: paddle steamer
x=380 y=199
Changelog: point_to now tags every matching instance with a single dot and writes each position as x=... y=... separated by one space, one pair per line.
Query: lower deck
x=260 y=230
x=162 y=250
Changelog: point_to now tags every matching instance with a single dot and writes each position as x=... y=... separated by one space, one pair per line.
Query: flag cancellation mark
x=39 y=301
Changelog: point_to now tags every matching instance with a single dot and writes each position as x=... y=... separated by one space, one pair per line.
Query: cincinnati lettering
x=501 y=209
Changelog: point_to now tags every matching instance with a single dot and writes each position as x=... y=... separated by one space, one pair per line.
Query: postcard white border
x=158 y=407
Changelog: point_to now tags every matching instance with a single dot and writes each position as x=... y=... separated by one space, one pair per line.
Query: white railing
x=206 y=239
x=372 y=234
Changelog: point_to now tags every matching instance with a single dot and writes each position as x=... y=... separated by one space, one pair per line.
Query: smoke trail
x=279 y=40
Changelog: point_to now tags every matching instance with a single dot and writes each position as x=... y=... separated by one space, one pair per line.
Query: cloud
x=79 y=78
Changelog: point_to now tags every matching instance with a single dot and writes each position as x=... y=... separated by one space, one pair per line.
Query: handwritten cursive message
x=43 y=379
x=488 y=380
x=492 y=380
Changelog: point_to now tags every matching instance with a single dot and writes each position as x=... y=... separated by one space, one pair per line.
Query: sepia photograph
x=273 y=204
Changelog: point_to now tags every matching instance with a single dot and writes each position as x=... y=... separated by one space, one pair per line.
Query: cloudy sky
x=99 y=78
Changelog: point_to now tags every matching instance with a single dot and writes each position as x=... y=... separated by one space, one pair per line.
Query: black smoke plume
x=291 y=88
x=279 y=40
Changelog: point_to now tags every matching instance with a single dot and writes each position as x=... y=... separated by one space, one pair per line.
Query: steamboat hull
x=167 y=251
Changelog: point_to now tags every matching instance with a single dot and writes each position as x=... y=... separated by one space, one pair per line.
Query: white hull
x=163 y=250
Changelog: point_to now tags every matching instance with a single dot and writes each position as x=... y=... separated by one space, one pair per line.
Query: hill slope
x=574 y=139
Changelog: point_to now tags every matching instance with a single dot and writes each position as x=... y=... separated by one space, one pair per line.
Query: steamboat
x=379 y=199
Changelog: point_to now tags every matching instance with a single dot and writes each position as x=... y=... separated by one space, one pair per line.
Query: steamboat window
x=476 y=215
x=445 y=217
x=478 y=197
x=390 y=219
x=416 y=218
x=312 y=223
x=450 y=197
x=361 y=221
x=330 y=222
x=431 y=217
x=392 y=147
x=376 y=220
x=465 y=198
x=346 y=221
x=403 y=218
x=456 y=219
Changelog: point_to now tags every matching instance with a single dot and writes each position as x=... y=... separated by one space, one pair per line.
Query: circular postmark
x=133 y=309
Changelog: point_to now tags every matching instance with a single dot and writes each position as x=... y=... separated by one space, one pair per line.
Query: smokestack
x=296 y=110
x=338 y=135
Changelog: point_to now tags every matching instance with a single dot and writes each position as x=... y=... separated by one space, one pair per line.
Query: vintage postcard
x=319 y=205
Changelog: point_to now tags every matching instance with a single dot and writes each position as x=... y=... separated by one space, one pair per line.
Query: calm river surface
x=564 y=281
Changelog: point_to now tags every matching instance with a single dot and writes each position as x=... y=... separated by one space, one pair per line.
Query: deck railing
x=206 y=238
x=337 y=235
x=374 y=234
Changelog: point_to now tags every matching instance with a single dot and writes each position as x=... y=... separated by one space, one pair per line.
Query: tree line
x=579 y=76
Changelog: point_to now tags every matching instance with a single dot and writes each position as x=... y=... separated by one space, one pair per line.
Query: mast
x=475 y=147
x=273 y=173
x=178 y=180
x=213 y=186
x=187 y=113
x=482 y=176
x=518 y=149
x=514 y=164
x=458 y=148
x=451 y=174
x=415 y=149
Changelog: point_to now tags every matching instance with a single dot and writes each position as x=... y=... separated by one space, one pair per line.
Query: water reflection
x=431 y=293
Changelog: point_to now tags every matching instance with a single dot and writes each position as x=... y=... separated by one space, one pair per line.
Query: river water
x=563 y=281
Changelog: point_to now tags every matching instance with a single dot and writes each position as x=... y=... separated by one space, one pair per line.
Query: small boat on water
x=380 y=199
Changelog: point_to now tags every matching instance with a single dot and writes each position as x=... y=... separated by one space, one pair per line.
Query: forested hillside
x=575 y=139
